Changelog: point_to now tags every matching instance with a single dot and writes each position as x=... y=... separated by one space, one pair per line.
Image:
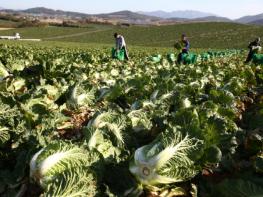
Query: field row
x=75 y=122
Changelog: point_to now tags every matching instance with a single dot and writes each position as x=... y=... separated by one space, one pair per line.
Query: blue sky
x=227 y=8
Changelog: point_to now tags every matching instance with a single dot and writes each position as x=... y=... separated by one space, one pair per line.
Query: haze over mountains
x=141 y=17
x=197 y=15
x=188 y=14
x=250 y=19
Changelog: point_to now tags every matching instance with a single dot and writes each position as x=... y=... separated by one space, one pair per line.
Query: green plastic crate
x=258 y=58
x=189 y=58
x=117 y=55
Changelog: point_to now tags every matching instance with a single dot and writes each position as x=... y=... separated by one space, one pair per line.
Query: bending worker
x=254 y=47
x=120 y=44
x=185 y=49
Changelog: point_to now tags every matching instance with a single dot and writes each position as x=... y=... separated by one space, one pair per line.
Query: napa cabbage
x=80 y=96
x=168 y=159
x=3 y=71
x=63 y=169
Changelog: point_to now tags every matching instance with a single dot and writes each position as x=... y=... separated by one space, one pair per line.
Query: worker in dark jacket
x=185 y=49
x=253 y=48
x=121 y=44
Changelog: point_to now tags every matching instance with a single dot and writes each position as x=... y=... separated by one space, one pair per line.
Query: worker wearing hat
x=120 y=44
x=185 y=49
x=253 y=48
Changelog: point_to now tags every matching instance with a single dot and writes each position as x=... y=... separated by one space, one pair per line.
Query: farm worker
x=254 y=47
x=120 y=44
x=185 y=48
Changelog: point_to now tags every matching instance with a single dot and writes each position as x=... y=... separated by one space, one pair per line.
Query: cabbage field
x=74 y=122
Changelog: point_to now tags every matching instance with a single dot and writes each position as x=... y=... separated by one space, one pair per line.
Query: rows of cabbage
x=76 y=123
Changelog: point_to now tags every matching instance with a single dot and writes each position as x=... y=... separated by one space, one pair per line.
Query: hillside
x=213 y=19
x=257 y=22
x=250 y=19
x=46 y=11
x=116 y=17
x=201 y=35
x=202 y=19
x=187 y=14
x=128 y=16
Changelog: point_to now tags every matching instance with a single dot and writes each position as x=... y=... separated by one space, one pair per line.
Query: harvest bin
x=189 y=58
x=117 y=55
x=258 y=58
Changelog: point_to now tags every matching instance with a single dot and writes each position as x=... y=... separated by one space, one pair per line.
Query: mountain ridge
x=250 y=18
x=127 y=16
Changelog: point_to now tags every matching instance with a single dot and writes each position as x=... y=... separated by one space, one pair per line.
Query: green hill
x=201 y=35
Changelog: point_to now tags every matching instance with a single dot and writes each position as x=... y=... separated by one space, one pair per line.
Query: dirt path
x=77 y=34
x=4 y=28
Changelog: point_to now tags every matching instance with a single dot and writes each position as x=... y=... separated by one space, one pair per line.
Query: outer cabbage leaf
x=56 y=158
x=98 y=140
x=4 y=136
x=73 y=182
x=168 y=159
x=79 y=96
x=237 y=188
x=3 y=71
